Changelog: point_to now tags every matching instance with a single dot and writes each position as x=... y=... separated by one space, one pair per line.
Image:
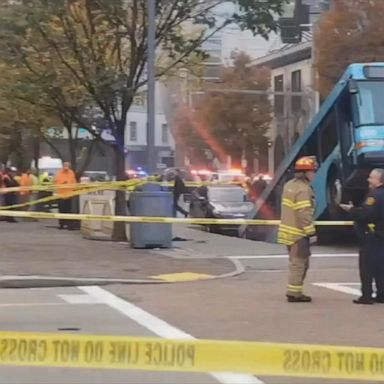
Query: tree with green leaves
x=21 y=123
x=29 y=117
x=97 y=50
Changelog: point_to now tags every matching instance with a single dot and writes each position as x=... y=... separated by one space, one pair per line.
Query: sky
x=235 y=39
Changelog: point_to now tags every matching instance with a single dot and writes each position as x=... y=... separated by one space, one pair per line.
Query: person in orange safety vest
x=63 y=177
x=26 y=180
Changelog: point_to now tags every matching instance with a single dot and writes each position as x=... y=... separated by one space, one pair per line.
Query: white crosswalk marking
x=341 y=287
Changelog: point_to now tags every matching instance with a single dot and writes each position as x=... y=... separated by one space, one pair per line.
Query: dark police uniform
x=369 y=219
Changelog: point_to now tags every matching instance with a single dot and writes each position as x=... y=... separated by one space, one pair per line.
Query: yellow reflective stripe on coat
x=309 y=229
x=285 y=238
x=282 y=240
x=288 y=203
x=285 y=242
x=303 y=204
x=298 y=205
x=295 y=288
x=291 y=230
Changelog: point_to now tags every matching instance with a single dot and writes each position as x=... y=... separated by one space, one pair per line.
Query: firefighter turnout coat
x=297 y=212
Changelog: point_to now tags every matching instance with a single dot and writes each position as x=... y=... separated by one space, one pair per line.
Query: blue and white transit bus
x=347 y=137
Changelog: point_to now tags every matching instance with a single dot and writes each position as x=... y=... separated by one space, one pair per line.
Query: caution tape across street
x=163 y=220
x=53 y=187
x=108 y=185
x=81 y=189
x=154 y=354
x=53 y=197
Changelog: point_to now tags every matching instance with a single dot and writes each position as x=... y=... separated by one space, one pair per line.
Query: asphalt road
x=253 y=307
x=90 y=310
x=248 y=307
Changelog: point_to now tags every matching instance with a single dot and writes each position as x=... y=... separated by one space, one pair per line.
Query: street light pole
x=151 y=71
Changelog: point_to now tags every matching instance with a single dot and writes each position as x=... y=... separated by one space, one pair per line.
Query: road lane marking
x=30 y=304
x=341 y=287
x=285 y=256
x=160 y=328
x=80 y=299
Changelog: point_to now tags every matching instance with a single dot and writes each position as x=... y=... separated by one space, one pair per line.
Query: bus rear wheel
x=332 y=234
x=334 y=194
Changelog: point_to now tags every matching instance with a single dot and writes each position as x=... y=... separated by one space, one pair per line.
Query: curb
x=35 y=281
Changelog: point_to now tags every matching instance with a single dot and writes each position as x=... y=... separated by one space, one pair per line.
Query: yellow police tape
x=163 y=220
x=90 y=188
x=153 y=354
x=51 y=198
x=39 y=201
x=54 y=187
x=111 y=185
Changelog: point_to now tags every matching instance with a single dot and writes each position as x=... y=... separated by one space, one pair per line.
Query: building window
x=279 y=99
x=296 y=87
x=132 y=131
x=164 y=133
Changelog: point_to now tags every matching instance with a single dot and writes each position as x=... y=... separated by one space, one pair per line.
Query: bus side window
x=328 y=135
x=311 y=147
x=367 y=114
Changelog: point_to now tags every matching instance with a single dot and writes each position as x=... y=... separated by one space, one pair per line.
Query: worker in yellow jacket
x=297 y=225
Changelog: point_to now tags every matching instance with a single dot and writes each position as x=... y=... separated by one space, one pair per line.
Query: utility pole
x=151 y=72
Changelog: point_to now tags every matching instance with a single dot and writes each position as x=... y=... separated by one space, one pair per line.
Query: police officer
x=296 y=227
x=370 y=216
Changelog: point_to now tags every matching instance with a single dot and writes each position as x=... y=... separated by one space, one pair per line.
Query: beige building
x=294 y=99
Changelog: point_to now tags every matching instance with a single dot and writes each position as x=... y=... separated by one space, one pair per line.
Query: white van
x=50 y=165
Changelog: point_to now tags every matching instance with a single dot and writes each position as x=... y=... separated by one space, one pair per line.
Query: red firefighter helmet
x=306 y=163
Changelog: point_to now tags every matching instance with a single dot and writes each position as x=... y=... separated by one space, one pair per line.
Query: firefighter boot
x=299 y=299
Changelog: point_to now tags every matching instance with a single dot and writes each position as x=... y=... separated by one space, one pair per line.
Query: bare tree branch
x=53 y=146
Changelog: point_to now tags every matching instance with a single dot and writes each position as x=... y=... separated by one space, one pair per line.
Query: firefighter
x=370 y=216
x=296 y=227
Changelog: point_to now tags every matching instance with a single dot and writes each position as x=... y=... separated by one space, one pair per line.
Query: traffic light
x=294 y=21
x=290 y=31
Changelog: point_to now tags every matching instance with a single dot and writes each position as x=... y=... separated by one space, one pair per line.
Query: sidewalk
x=202 y=244
x=38 y=254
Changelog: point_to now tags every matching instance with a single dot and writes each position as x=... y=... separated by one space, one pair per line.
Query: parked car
x=95 y=176
x=230 y=176
x=220 y=202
